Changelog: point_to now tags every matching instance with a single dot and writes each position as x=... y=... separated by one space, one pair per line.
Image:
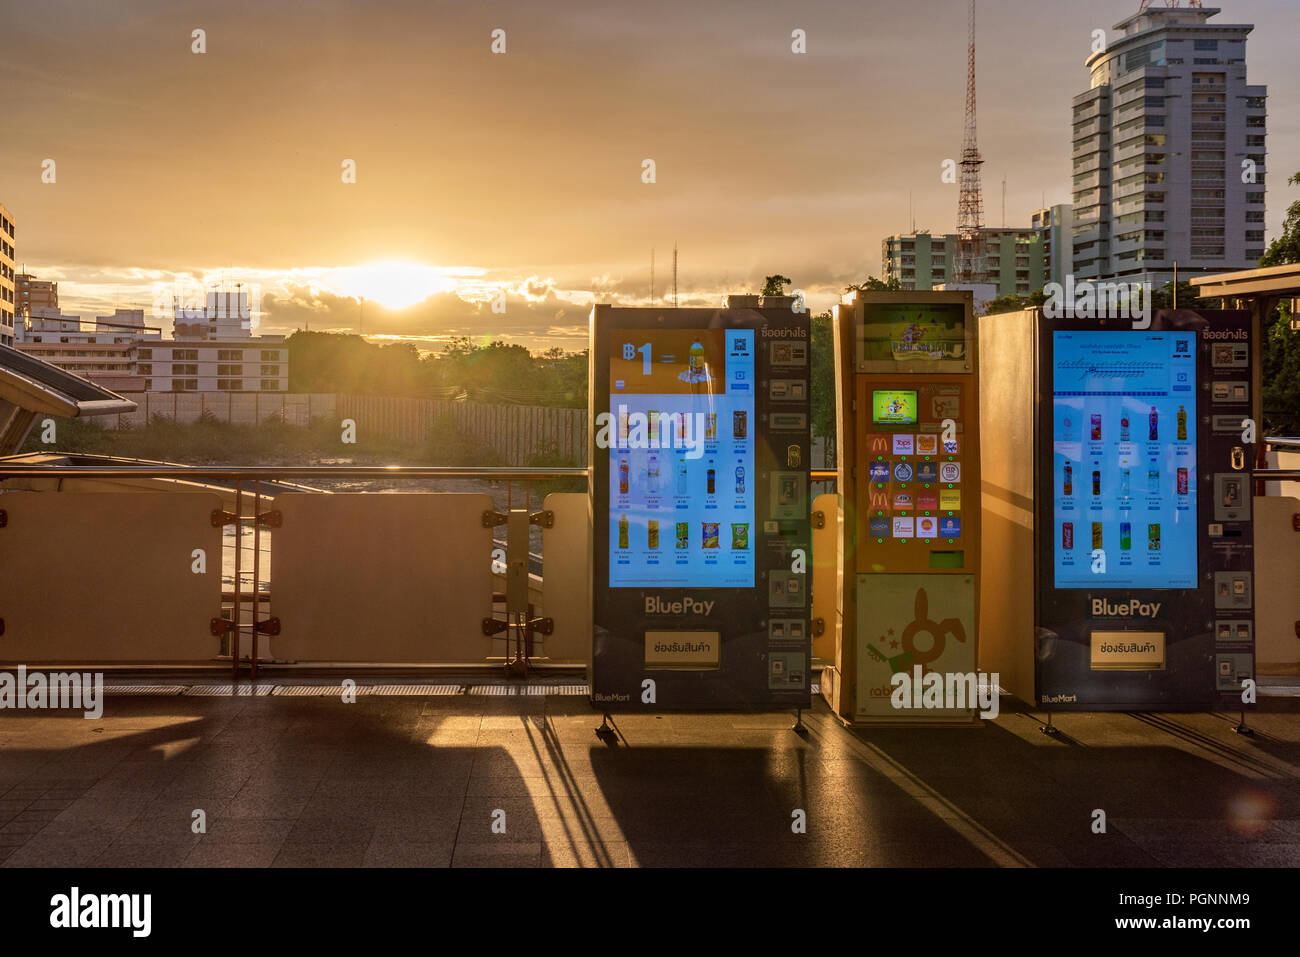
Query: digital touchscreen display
x=1124 y=459
x=893 y=406
x=681 y=458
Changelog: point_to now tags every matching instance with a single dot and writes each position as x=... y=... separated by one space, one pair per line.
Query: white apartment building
x=1169 y=147
x=249 y=364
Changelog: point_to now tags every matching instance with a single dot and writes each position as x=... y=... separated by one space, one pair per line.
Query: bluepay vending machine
x=700 y=452
x=1145 y=590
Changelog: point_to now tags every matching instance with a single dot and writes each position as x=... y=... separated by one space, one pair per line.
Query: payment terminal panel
x=700 y=450
x=1143 y=488
x=913 y=412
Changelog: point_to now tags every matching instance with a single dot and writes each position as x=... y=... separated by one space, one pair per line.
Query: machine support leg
x=799 y=727
x=1049 y=728
x=1241 y=727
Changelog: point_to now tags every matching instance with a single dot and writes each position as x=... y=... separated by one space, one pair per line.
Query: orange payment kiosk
x=907 y=416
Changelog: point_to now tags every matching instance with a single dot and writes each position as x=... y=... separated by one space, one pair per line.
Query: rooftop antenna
x=674 y=274
x=911 y=216
x=1004 y=200
x=652 y=276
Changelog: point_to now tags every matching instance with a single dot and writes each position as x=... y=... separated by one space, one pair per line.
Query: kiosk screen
x=681 y=469
x=1124 y=459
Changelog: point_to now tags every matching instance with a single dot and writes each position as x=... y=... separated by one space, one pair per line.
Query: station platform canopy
x=30 y=388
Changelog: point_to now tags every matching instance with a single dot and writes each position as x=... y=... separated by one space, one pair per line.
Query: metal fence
x=242 y=408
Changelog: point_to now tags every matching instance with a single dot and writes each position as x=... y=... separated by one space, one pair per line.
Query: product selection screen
x=681 y=458
x=1124 y=459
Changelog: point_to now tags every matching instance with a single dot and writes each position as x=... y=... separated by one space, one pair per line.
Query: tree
x=872 y=284
x=1281 y=359
x=775 y=285
x=1014 y=303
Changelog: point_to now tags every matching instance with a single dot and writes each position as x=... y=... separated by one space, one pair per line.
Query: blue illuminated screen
x=1124 y=459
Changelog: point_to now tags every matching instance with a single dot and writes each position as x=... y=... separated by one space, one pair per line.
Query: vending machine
x=1145 y=590
x=909 y=477
x=699 y=452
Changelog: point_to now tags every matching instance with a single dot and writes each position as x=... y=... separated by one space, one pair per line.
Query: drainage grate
x=229 y=691
x=416 y=689
x=143 y=689
x=317 y=691
x=574 y=690
x=500 y=690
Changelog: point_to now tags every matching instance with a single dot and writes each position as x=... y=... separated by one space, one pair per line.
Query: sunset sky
x=522 y=172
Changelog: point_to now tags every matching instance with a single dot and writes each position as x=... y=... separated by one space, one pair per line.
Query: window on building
x=144 y=353
x=180 y=355
x=146 y=368
x=230 y=385
x=185 y=385
x=270 y=385
x=185 y=369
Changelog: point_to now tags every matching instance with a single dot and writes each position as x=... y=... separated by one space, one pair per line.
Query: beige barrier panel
x=1006 y=598
x=385 y=578
x=109 y=577
x=828 y=574
x=566 y=577
x=1277 y=586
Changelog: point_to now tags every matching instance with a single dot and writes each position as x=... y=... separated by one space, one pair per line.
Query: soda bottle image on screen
x=1153 y=480
x=712 y=477
x=1124 y=483
x=1096 y=482
x=622 y=531
x=1153 y=537
x=683 y=534
x=739 y=425
x=697 y=357
x=1096 y=427
x=653 y=417
x=1096 y=534
x=681 y=476
x=1067 y=536
x=1123 y=428
x=652 y=474
x=652 y=533
x=622 y=476
x=1153 y=420
x=1069 y=479
x=1182 y=481
x=740 y=480
x=1182 y=424
x=1125 y=536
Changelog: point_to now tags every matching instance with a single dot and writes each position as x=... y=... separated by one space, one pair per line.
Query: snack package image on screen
x=1124 y=459
x=681 y=488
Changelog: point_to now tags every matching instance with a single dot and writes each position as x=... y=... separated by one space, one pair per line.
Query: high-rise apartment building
x=8 y=309
x=33 y=293
x=1169 y=146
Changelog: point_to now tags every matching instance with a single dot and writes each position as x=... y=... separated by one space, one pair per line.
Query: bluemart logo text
x=951 y=691
x=654 y=605
x=1105 y=608
x=75 y=909
x=58 y=689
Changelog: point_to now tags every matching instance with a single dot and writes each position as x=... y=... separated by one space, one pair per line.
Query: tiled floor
x=522 y=780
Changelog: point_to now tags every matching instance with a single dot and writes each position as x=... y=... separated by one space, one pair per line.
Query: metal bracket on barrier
x=1295 y=521
x=545 y=626
x=494 y=626
x=221 y=517
x=492 y=519
x=545 y=518
x=818 y=627
x=220 y=626
x=4 y=518
x=819 y=519
x=272 y=519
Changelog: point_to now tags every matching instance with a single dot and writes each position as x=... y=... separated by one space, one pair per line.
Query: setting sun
x=394 y=285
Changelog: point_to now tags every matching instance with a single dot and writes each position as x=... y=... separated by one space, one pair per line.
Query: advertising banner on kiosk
x=1145 y=550
x=700 y=450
